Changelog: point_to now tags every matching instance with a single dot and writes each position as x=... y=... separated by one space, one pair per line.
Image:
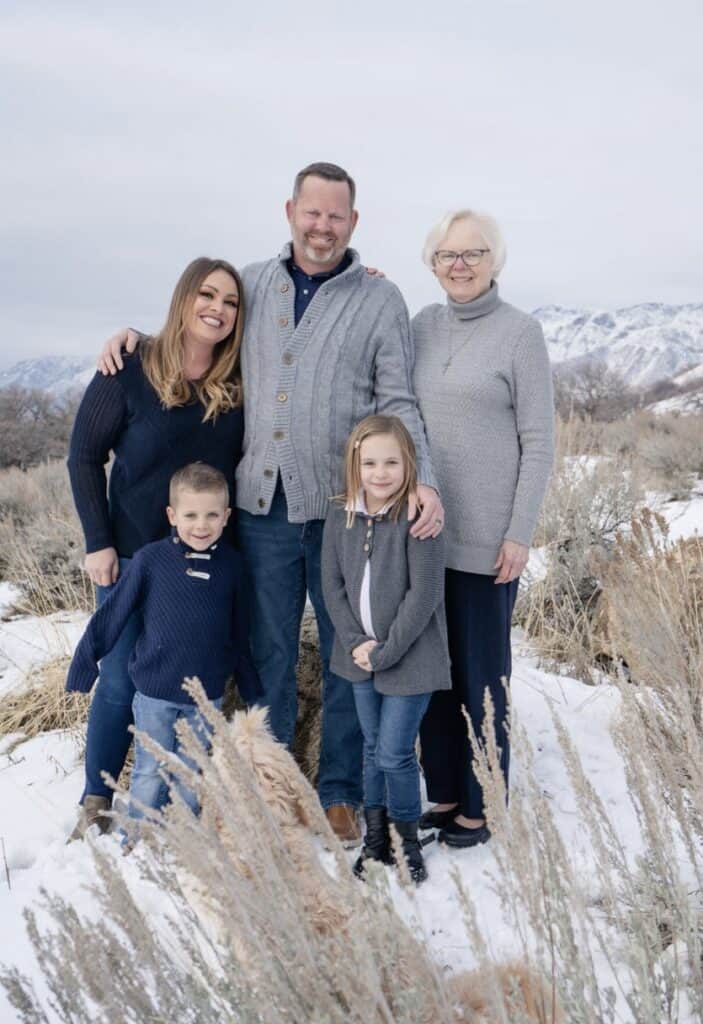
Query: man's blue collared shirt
x=307 y=284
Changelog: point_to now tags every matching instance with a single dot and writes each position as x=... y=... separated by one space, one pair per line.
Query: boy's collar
x=187 y=550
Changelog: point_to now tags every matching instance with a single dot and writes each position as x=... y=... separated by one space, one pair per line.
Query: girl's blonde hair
x=370 y=427
x=220 y=390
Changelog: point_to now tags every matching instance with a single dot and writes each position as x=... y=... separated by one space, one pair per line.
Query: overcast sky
x=137 y=136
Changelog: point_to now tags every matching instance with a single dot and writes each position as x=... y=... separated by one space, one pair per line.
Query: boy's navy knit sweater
x=195 y=623
x=124 y=414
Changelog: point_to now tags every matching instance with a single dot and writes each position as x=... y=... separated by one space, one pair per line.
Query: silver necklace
x=453 y=333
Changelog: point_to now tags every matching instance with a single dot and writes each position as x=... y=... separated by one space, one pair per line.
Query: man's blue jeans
x=157 y=718
x=108 y=738
x=283 y=562
x=390 y=725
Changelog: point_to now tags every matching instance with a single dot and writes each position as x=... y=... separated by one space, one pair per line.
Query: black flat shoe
x=461 y=836
x=437 y=819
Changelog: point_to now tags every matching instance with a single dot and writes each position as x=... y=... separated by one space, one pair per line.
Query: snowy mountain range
x=644 y=344
x=59 y=375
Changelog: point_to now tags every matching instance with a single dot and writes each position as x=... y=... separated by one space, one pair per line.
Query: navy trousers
x=479 y=613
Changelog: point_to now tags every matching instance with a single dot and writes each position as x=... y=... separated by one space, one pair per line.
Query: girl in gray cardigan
x=384 y=591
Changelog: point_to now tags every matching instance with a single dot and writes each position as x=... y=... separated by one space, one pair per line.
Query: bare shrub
x=603 y=472
x=41 y=542
x=668 y=448
x=34 y=426
x=591 y=498
x=592 y=391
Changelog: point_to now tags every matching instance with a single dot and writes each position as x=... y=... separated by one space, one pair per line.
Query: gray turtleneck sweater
x=484 y=385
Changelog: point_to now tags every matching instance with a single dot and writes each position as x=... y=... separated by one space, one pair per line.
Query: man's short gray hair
x=330 y=172
x=485 y=224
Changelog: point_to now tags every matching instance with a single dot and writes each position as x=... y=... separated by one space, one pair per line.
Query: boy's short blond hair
x=198 y=477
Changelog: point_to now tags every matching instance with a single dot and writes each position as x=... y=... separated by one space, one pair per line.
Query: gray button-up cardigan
x=407 y=602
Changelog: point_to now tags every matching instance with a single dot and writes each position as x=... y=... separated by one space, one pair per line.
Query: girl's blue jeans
x=390 y=726
x=108 y=738
x=150 y=782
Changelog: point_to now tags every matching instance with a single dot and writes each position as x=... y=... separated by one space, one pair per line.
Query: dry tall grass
x=624 y=935
x=42 y=704
x=41 y=543
x=620 y=941
x=241 y=944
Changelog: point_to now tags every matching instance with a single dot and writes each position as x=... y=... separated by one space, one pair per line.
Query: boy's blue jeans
x=283 y=563
x=390 y=725
x=157 y=718
x=108 y=739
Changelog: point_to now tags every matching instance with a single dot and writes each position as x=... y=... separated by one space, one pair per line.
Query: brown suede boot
x=92 y=813
x=345 y=824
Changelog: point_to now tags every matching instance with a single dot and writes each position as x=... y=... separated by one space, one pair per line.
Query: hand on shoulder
x=110 y=358
x=431 y=519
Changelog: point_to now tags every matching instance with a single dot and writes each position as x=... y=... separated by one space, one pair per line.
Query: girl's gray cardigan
x=407 y=602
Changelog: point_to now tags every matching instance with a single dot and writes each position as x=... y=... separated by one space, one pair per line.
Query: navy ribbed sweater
x=192 y=625
x=123 y=414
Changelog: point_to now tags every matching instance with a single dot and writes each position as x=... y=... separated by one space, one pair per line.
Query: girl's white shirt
x=365 y=596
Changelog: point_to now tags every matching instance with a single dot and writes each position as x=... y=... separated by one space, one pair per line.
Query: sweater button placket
x=283 y=395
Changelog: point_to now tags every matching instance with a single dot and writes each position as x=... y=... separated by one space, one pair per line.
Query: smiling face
x=321 y=222
x=213 y=312
x=462 y=283
x=199 y=516
x=382 y=470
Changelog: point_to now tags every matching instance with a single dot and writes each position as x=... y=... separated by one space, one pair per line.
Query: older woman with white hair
x=483 y=381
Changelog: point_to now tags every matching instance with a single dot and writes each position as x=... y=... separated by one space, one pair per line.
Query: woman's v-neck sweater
x=484 y=385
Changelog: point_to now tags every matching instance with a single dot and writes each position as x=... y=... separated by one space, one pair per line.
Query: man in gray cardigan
x=325 y=344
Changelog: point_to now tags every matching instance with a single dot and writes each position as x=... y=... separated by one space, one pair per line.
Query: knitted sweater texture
x=306 y=387
x=484 y=385
x=195 y=623
x=407 y=602
x=124 y=414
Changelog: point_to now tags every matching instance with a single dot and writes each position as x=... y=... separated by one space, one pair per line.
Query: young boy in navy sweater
x=190 y=592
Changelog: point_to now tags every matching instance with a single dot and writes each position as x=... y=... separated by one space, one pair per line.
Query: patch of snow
x=685 y=518
x=29 y=641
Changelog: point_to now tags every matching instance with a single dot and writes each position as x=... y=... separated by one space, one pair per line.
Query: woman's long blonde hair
x=370 y=427
x=220 y=390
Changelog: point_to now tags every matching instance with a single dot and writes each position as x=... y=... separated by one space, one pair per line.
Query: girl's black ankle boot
x=412 y=850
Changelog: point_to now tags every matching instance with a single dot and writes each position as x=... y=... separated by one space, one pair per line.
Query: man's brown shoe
x=91 y=813
x=345 y=824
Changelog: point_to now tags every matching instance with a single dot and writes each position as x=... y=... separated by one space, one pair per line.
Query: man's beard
x=334 y=252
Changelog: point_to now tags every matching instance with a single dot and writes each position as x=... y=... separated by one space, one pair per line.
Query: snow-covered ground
x=40 y=782
x=41 y=779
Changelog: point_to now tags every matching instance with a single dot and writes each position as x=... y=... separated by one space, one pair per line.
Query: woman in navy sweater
x=179 y=400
